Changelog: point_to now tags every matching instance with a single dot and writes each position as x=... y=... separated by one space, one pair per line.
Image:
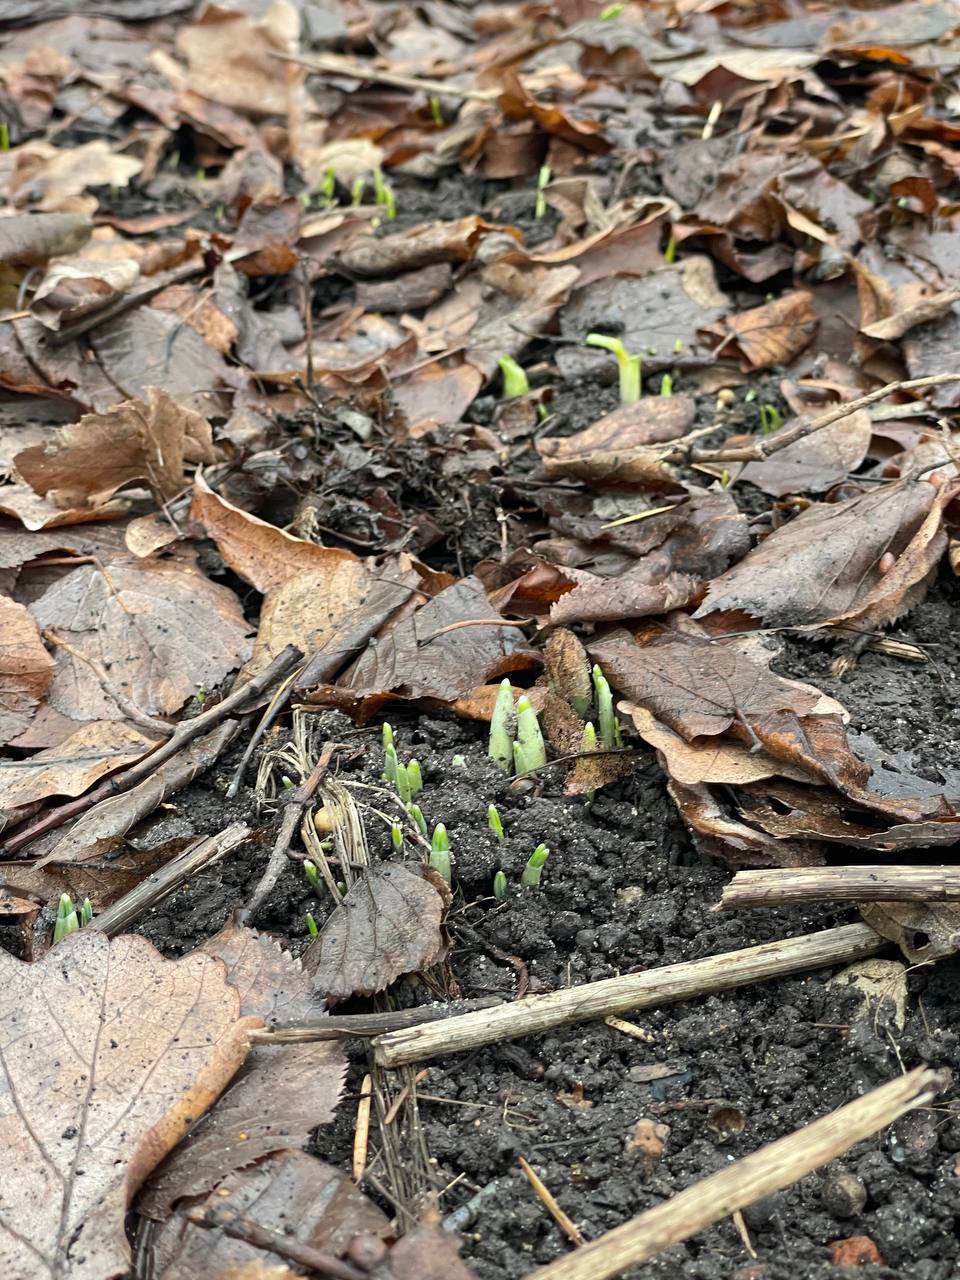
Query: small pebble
x=843 y=1194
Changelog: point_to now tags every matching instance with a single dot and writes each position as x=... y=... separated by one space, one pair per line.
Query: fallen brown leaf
x=618 y=449
x=435 y=242
x=98 y=455
x=29 y=239
x=390 y=923
x=813 y=464
x=824 y=564
x=262 y=554
x=769 y=335
x=25 y=669
x=282 y=1092
x=451 y=644
x=924 y=931
x=94 y=750
x=292 y=1193
x=714 y=832
x=162 y=629
x=89 y=1111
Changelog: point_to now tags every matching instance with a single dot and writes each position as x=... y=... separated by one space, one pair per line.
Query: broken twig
x=535 y=1014
x=766 y=1171
x=769 y=888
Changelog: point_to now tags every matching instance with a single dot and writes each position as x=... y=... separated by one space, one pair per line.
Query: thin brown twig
x=472 y=622
x=186 y=731
x=283 y=1246
x=762 y=447
x=361 y=1135
x=563 y=1220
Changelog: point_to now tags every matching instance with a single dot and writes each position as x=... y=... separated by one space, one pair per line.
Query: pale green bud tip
x=396 y=835
x=387 y=735
x=312 y=926
x=65 y=905
x=440 y=841
x=540 y=854
x=494 y=821
x=500 y=885
x=523 y=706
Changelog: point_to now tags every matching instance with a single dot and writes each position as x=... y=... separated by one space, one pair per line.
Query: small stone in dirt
x=912 y=1137
x=760 y=1214
x=725 y=1121
x=857 y=1251
x=647 y=1139
x=842 y=1193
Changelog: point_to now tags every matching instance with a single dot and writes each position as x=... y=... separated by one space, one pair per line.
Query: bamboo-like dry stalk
x=841 y=884
x=770 y=1169
x=535 y=1014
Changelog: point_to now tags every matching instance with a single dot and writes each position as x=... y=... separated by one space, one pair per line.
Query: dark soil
x=623 y=891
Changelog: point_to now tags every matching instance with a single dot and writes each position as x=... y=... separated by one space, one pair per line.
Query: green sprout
x=396 y=836
x=588 y=742
x=670 y=253
x=414 y=777
x=611 y=11
x=66 y=921
x=436 y=111
x=529 y=748
x=86 y=913
x=384 y=193
x=493 y=821
x=500 y=749
x=724 y=479
x=286 y=783
x=543 y=177
x=514 y=378
x=517 y=758
x=677 y=346
x=387 y=731
x=771 y=419
x=500 y=885
x=327 y=190
x=416 y=813
x=390 y=763
x=609 y=724
x=313 y=877
x=312 y=926
x=629 y=366
x=4 y=136
x=440 y=851
x=201 y=175
x=534 y=868
x=403 y=784
x=666 y=384
x=357 y=191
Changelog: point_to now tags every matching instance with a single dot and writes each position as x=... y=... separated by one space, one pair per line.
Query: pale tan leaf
x=35 y=512
x=771 y=334
x=110 y=1052
x=160 y=628
x=95 y=749
x=924 y=931
x=49 y=176
x=25 y=669
x=29 y=239
x=260 y=553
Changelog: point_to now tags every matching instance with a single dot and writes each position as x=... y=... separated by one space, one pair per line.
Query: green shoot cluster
x=515 y=735
x=515 y=381
x=69 y=919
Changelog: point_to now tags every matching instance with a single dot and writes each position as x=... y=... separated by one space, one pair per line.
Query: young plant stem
x=531 y=752
x=500 y=749
x=629 y=366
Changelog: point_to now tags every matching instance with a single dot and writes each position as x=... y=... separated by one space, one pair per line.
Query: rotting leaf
x=739 y=846
x=390 y=923
x=25 y=669
x=138 y=440
x=282 y=1092
x=260 y=553
x=924 y=931
x=87 y=1114
x=30 y=239
x=425 y=246
x=620 y=447
x=161 y=629
x=291 y=1193
x=814 y=463
x=95 y=749
x=769 y=335
x=824 y=565
x=453 y=643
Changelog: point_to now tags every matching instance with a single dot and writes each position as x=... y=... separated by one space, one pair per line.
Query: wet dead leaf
x=282 y=1092
x=48 y=177
x=715 y=833
x=262 y=554
x=30 y=239
x=103 y=452
x=36 y=513
x=160 y=628
x=924 y=931
x=25 y=669
x=425 y=246
x=151 y=1045
x=292 y=1193
x=815 y=463
x=769 y=335
x=68 y=769
x=617 y=449
x=825 y=564
x=91 y=836
x=390 y=923
x=922 y=312
x=450 y=645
